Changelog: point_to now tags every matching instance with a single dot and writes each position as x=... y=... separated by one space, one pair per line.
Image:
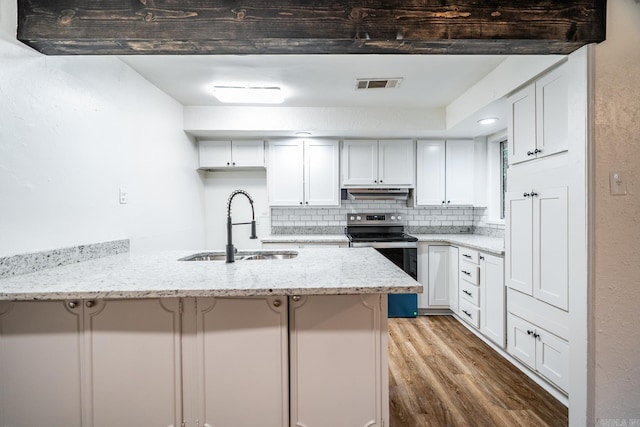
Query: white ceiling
x=319 y=80
x=430 y=81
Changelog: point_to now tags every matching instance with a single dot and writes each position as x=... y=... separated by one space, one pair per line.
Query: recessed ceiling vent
x=378 y=83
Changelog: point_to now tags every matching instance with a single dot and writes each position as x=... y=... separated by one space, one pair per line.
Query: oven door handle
x=384 y=245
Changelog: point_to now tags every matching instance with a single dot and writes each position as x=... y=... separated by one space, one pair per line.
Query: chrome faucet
x=231 y=251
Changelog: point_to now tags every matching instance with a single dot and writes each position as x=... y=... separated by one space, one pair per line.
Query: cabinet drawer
x=470 y=292
x=469 y=255
x=470 y=313
x=469 y=272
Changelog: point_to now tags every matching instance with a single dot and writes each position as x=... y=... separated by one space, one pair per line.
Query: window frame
x=494 y=177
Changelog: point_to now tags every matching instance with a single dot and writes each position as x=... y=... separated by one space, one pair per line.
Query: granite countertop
x=493 y=245
x=306 y=238
x=313 y=272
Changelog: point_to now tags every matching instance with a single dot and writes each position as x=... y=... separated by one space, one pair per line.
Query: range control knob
x=393 y=217
x=352 y=218
x=358 y=218
x=399 y=218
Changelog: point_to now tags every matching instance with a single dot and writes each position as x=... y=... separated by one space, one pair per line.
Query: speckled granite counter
x=313 y=272
x=494 y=245
x=306 y=238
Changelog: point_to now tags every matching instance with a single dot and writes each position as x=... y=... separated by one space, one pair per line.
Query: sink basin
x=281 y=255
x=241 y=256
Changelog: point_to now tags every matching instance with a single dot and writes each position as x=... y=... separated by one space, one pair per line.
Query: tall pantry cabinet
x=537 y=228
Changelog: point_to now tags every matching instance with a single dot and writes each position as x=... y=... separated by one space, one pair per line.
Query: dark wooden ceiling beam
x=121 y=27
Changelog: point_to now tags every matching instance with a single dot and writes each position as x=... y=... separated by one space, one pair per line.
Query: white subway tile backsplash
x=433 y=216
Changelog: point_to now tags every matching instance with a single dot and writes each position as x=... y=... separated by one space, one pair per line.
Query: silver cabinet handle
x=72 y=304
x=296 y=298
x=90 y=303
x=277 y=303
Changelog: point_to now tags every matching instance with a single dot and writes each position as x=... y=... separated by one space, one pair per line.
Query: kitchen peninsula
x=298 y=341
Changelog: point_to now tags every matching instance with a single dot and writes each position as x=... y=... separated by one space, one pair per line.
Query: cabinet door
x=396 y=163
x=519 y=242
x=492 y=298
x=552 y=110
x=551 y=247
x=552 y=358
x=133 y=362
x=360 y=162
x=439 y=276
x=460 y=175
x=321 y=160
x=40 y=359
x=522 y=125
x=242 y=362
x=247 y=153
x=430 y=185
x=520 y=342
x=339 y=374
x=214 y=154
x=285 y=173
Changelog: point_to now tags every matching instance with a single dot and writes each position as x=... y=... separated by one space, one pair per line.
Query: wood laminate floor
x=441 y=374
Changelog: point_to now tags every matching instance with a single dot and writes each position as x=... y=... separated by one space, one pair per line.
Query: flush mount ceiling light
x=248 y=94
x=303 y=133
x=488 y=120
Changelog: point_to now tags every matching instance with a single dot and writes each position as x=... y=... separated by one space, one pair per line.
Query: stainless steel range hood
x=401 y=194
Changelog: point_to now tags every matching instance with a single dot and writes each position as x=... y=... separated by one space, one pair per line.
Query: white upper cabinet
x=445 y=174
x=538 y=118
x=303 y=173
x=395 y=163
x=536 y=245
x=230 y=154
x=460 y=176
x=321 y=160
x=387 y=163
x=431 y=173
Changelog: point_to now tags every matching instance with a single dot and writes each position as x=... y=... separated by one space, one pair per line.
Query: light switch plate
x=617 y=185
x=124 y=195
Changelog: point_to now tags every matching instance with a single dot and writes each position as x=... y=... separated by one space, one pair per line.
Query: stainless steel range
x=386 y=233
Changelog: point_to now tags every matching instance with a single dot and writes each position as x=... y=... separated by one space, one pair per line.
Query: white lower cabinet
x=438 y=273
x=236 y=368
x=339 y=375
x=492 y=298
x=539 y=349
x=40 y=354
x=75 y=362
x=190 y=362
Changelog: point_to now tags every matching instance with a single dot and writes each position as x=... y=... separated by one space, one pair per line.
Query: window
x=504 y=165
x=497 y=163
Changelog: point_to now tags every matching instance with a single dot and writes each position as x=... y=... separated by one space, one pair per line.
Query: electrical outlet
x=617 y=185
x=124 y=195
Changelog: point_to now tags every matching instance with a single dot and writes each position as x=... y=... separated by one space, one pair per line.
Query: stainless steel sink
x=280 y=255
x=241 y=256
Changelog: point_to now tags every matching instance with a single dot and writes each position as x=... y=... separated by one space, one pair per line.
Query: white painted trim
x=579 y=100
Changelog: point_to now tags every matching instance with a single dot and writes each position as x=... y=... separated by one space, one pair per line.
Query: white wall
x=617 y=223
x=218 y=187
x=75 y=129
